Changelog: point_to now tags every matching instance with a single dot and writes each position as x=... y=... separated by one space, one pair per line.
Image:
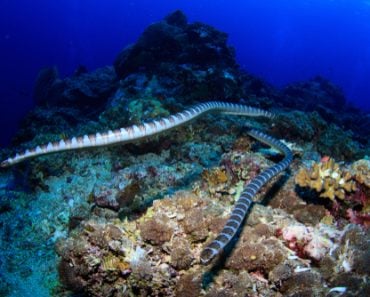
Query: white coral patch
x=315 y=242
x=136 y=256
x=297 y=232
x=318 y=247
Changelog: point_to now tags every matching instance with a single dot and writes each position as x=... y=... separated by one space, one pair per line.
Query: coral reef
x=322 y=96
x=132 y=220
x=275 y=253
x=312 y=131
x=351 y=187
x=156 y=252
x=301 y=126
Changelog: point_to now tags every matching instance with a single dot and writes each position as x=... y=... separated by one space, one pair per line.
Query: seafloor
x=131 y=220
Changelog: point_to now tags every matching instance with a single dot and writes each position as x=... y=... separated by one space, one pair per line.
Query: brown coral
x=304 y=284
x=327 y=179
x=195 y=225
x=181 y=256
x=242 y=144
x=188 y=285
x=155 y=232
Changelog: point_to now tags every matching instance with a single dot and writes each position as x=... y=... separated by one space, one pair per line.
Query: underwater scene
x=182 y=168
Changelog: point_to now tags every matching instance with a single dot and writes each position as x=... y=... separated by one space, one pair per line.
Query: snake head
x=5 y=163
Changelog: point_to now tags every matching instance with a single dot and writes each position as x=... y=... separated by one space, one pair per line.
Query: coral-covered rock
x=96 y=257
x=340 y=144
x=67 y=106
x=310 y=214
x=116 y=198
x=195 y=225
x=189 y=285
x=355 y=285
x=361 y=172
x=261 y=256
x=305 y=284
x=230 y=284
x=354 y=253
x=300 y=126
x=325 y=136
x=322 y=96
x=158 y=253
x=347 y=265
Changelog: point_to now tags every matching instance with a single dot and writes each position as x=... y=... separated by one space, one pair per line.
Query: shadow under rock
x=275 y=188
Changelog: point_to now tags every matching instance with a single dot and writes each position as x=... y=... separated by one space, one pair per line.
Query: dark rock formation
x=173 y=40
x=322 y=96
x=193 y=58
x=314 y=94
x=82 y=90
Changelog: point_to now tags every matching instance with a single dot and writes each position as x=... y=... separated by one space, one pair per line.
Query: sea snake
x=135 y=132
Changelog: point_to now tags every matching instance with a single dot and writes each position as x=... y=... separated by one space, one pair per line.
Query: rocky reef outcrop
x=193 y=59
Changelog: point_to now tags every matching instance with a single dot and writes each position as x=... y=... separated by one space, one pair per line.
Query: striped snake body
x=135 y=132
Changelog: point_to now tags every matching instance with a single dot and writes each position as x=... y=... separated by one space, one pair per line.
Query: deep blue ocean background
x=281 y=41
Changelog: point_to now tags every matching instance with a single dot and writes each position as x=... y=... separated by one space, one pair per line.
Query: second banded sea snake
x=245 y=200
x=135 y=132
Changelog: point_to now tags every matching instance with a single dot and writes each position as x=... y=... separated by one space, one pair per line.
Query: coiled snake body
x=135 y=132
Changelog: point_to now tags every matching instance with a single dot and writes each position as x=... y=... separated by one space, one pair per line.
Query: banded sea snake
x=135 y=132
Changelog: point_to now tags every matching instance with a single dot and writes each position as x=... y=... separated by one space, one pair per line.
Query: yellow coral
x=215 y=176
x=327 y=179
x=113 y=263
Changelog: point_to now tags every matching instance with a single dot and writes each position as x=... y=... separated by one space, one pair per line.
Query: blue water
x=281 y=41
